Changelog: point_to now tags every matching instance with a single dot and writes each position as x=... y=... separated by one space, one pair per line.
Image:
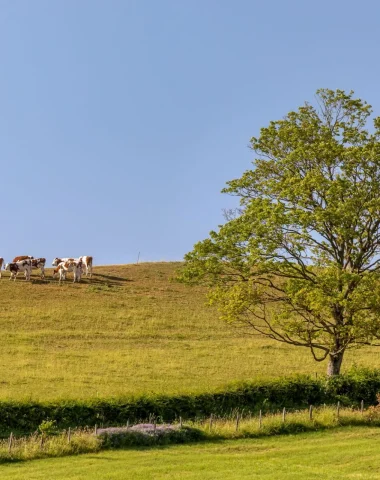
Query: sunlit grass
x=236 y=426
x=129 y=331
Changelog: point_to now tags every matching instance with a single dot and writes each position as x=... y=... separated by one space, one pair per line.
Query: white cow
x=70 y=265
x=21 y=266
x=86 y=260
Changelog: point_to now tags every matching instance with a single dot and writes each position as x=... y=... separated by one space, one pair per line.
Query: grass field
x=347 y=453
x=129 y=331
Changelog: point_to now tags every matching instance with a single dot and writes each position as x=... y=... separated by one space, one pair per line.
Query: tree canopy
x=298 y=261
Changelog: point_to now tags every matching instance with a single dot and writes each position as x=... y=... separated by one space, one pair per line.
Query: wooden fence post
x=10 y=442
x=180 y=422
x=311 y=412
x=154 y=426
x=337 y=410
x=283 y=415
x=210 y=424
x=237 y=421
x=96 y=429
x=362 y=407
x=260 y=419
x=69 y=435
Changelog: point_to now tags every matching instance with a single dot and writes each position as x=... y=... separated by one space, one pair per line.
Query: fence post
x=237 y=421
x=96 y=429
x=311 y=412
x=128 y=424
x=283 y=415
x=210 y=425
x=362 y=407
x=154 y=426
x=42 y=441
x=69 y=435
x=260 y=419
x=10 y=442
x=180 y=422
x=337 y=410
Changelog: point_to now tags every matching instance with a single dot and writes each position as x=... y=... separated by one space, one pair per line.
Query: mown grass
x=346 y=453
x=130 y=330
x=72 y=442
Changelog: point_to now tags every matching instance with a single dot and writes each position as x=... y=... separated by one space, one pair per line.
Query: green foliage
x=138 y=439
x=48 y=427
x=223 y=428
x=299 y=261
x=296 y=392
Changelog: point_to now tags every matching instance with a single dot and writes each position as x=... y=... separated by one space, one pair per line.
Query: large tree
x=299 y=261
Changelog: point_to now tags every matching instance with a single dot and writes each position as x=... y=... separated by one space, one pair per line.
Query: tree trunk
x=335 y=362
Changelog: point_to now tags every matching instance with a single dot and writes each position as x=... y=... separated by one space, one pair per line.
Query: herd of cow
x=26 y=264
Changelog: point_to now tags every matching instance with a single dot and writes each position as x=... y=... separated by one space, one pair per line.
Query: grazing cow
x=22 y=257
x=39 y=263
x=70 y=265
x=22 y=266
x=1 y=264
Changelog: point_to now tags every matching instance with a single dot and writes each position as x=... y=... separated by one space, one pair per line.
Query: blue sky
x=121 y=120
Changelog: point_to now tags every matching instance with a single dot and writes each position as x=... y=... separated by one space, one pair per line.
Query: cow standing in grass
x=87 y=263
x=21 y=266
x=57 y=262
x=85 y=259
x=70 y=265
x=39 y=263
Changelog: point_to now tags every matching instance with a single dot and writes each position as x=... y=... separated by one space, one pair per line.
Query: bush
x=295 y=392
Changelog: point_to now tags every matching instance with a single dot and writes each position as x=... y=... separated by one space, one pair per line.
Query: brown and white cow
x=22 y=257
x=21 y=266
x=57 y=263
x=39 y=263
x=1 y=264
x=70 y=265
x=86 y=260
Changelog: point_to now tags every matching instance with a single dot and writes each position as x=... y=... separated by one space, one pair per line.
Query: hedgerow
x=268 y=396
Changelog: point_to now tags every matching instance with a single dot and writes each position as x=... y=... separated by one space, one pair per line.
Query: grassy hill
x=130 y=330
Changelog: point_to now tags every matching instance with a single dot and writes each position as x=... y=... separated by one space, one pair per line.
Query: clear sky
x=121 y=120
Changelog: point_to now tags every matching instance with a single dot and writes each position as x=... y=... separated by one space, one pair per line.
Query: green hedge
x=293 y=392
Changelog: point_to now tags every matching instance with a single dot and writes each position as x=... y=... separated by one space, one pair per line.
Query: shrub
x=268 y=396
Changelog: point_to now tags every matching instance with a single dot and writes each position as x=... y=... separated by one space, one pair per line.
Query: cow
x=21 y=266
x=70 y=265
x=58 y=261
x=22 y=257
x=39 y=263
x=1 y=264
x=87 y=262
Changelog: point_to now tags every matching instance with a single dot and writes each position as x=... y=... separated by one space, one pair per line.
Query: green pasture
x=130 y=330
x=346 y=453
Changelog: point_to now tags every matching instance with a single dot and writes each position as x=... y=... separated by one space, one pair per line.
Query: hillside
x=130 y=330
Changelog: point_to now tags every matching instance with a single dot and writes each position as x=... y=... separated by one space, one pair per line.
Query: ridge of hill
x=129 y=330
